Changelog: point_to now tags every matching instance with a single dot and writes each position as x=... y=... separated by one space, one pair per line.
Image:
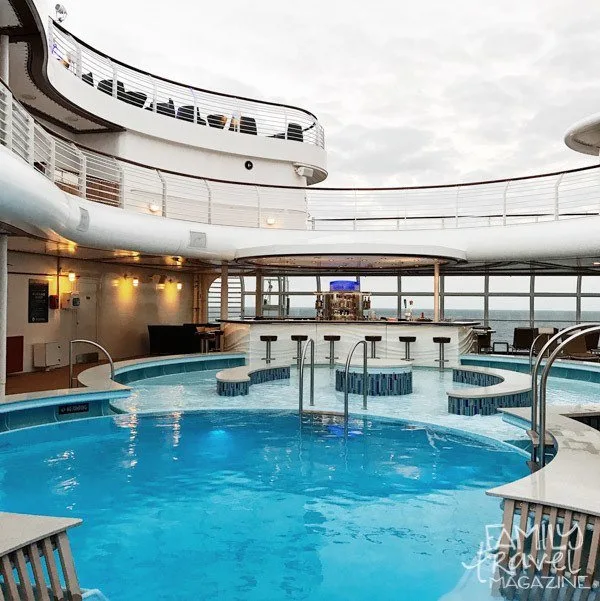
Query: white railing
x=165 y=97
x=104 y=179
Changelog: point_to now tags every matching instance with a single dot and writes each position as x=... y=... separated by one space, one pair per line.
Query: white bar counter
x=243 y=336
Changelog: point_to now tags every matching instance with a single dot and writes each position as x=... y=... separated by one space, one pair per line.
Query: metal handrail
x=139 y=188
x=544 y=385
x=534 y=378
x=532 y=350
x=81 y=340
x=365 y=378
x=310 y=342
x=81 y=60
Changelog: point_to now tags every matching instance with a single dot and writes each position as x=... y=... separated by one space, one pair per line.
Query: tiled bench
x=496 y=389
x=236 y=381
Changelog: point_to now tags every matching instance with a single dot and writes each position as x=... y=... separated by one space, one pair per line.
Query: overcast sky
x=408 y=92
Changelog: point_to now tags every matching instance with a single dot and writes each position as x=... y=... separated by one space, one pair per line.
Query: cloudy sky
x=408 y=92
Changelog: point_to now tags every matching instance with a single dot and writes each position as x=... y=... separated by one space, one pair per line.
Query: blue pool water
x=247 y=505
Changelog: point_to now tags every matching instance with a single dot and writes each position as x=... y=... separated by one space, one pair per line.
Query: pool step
x=535 y=439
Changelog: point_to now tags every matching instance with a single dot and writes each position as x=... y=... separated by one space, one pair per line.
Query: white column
x=4 y=70
x=3 y=311
x=224 y=291
x=436 y=292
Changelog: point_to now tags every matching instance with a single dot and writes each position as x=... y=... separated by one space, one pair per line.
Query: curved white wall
x=27 y=197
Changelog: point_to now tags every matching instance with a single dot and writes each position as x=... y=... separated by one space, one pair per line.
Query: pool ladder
x=540 y=439
x=71 y=343
x=310 y=343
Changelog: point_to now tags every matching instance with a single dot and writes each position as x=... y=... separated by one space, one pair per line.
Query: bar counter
x=243 y=335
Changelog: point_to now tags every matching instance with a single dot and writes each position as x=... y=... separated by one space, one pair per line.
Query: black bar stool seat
x=269 y=339
x=441 y=340
x=298 y=339
x=373 y=340
x=407 y=340
x=332 y=339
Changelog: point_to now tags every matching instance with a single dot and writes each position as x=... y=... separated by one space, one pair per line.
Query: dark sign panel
x=73 y=408
x=38 y=301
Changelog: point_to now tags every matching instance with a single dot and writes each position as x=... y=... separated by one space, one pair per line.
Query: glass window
x=506 y=314
x=590 y=284
x=302 y=305
x=417 y=283
x=249 y=305
x=379 y=284
x=590 y=308
x=463 y=307
x=302 y=284
x=509 y=283
x=554 y=283
x=249 y=284
x=385 y=306
x=468 y=283
x=554 y=312
x=420 y=304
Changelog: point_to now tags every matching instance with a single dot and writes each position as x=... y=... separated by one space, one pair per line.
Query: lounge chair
x=163 y=108
x=577 y=350
x=248 y=125
x=522 y=340
x=186 y=113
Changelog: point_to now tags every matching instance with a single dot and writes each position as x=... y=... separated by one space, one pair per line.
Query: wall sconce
x=135 y=282
x=161 y=283
x=179 y=285
x=72 y=276
x=271 y=221
x=154 y=208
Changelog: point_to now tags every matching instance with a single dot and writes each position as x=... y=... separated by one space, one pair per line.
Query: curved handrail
x=111 y=76
x=139 y=188
x=95 y=344
x=544 y=385
x=365 y=378
x=64 y=30
x=310 y=342
x=534 y=378
x=532 y=350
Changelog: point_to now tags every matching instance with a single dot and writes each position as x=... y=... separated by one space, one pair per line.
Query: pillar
x=3 y=310
x=436 y=291
x=224 y=291
x=4 y=70
x=258 y=295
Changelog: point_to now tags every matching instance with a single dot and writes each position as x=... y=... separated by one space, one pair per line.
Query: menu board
x=38 y=301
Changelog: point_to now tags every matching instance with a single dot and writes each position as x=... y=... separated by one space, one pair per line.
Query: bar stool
x=407 y=340
x=332 y=339
x=441 y=340
x=373 y=340
x=299 y=339
x=205 y=339
x=269 y=340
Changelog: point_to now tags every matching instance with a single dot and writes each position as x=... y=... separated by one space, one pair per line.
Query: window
x=509 y=283
x=468 y=283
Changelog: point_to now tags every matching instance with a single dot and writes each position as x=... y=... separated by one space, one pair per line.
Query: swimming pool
x=250 y=505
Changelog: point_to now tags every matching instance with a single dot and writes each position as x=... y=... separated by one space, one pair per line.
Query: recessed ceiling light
x=72 y=118
x=28 y=97
x=596 y=263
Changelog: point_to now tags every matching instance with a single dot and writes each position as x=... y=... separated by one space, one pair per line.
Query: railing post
x=121 y=186
x=258 y=214
x=505 y=202
x=556 y=196
x=154 y=94
x=355 y=209
x=163 y=181
x=78 y=61
x=209 y=207
x=31 y=139
x=114 y=80
x=8 y=132
x=82 y=175
x=456 y=210
x=52 y=162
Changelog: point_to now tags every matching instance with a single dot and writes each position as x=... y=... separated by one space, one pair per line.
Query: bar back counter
x=244 y=336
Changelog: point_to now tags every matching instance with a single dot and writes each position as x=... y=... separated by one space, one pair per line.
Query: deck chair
x=577 y=350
